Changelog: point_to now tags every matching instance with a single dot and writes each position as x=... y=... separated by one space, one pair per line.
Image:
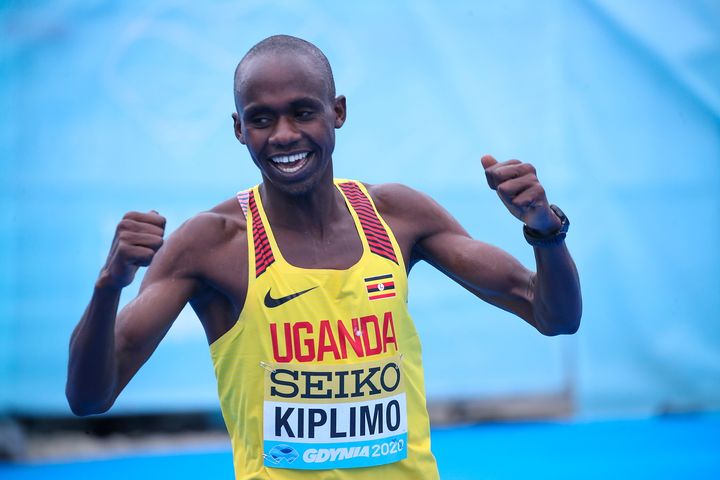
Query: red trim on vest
x=263 y=252
x=376 y=235
x=242 y=198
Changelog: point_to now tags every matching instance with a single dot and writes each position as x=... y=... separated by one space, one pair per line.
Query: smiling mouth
x=290 y=163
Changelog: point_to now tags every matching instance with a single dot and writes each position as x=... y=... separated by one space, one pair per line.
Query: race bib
x=334 y=416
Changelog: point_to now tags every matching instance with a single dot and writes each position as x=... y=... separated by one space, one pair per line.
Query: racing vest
x=321 y=377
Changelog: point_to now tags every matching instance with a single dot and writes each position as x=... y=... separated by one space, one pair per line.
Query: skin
x=284 y=108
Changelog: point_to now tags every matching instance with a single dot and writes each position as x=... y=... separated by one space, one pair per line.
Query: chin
x=300 y=186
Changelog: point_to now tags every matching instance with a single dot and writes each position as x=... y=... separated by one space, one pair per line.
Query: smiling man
x=301 y=286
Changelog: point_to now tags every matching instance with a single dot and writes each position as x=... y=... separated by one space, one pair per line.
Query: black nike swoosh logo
x=271 y=302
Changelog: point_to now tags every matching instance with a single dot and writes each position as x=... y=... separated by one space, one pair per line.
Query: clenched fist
x=137 y=237
x=518 y=187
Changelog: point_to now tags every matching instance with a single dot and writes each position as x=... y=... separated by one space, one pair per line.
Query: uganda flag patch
x=380 y=286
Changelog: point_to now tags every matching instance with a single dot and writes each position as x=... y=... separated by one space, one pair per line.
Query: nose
x=285 y=133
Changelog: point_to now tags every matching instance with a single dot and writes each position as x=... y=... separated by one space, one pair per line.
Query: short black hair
x=287 y=44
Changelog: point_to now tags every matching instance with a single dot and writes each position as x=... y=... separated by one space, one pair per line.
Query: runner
x=301 y=286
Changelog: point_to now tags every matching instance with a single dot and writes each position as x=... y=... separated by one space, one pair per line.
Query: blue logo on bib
x=281 y=452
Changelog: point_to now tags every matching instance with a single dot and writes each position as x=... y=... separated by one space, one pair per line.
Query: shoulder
x=414 y=218
x=406 y=205
x=216 y=225
x=396 y=198
x=203 y=234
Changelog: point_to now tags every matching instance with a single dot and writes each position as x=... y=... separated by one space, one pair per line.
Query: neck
x=310 y=212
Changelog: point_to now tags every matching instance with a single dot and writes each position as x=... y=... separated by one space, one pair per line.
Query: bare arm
x=107 y=348
x=555 y=289
x=549 y=300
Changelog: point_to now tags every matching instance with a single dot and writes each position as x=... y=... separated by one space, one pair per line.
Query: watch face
x=563 y=218
x=553 y=239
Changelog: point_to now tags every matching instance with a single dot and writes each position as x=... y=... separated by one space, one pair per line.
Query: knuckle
x=147 y=257
x=157 y=220
x=124 y=252
x=504 y=189
x=139 y=255
x=122 y=225
x=122 y=236
x=532 y=180
x=127 y=225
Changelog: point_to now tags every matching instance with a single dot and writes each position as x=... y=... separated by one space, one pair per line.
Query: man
x=300 y=285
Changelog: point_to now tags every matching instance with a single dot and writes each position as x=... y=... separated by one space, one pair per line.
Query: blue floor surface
x=676 y=447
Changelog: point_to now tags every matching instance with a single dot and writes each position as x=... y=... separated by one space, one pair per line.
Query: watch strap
x=537 y=240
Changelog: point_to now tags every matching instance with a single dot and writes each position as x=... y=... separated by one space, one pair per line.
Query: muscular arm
x=549 y=300
x=107 y=348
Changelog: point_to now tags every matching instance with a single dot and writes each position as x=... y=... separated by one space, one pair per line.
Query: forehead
x=274 y=79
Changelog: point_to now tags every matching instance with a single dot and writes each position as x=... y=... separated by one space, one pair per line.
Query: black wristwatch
x=537 y=240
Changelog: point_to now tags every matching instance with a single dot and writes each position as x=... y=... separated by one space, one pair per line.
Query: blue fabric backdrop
x=114 y=106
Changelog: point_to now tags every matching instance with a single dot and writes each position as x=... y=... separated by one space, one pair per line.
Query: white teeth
x=293 y=169
x=289 y=158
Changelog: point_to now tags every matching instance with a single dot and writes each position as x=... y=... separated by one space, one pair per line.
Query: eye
x=260 y=121
x=304 y=114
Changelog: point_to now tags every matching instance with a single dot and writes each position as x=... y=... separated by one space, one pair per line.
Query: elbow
x=563 y=319
x=80 y=410
x=564 y=330
x=551 y=327
x=84 y=408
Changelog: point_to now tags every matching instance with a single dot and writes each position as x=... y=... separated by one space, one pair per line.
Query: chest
x=225 y=269
x=338 y=247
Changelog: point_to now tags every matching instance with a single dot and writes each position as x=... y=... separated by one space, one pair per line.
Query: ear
x=340 y=108
x=237 y=126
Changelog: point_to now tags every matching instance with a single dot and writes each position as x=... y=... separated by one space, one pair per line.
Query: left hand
x=518 y=187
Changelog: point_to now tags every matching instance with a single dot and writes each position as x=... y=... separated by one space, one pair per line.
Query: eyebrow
x=307 y=102
x=297 y=103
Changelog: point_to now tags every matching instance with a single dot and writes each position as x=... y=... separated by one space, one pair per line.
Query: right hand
x=137 y=238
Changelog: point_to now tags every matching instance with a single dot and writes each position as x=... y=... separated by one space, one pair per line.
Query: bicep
x=426 y=231
x=488 y=272
x=144 y=322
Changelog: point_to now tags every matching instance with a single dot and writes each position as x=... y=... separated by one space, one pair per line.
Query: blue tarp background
x=116 y=106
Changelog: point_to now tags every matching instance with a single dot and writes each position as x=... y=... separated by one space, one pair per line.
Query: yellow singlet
x=321 y=377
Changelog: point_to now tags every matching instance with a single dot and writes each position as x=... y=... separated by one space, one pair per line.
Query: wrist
x=552 y=236
x=106 y=282
x=554 y=227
